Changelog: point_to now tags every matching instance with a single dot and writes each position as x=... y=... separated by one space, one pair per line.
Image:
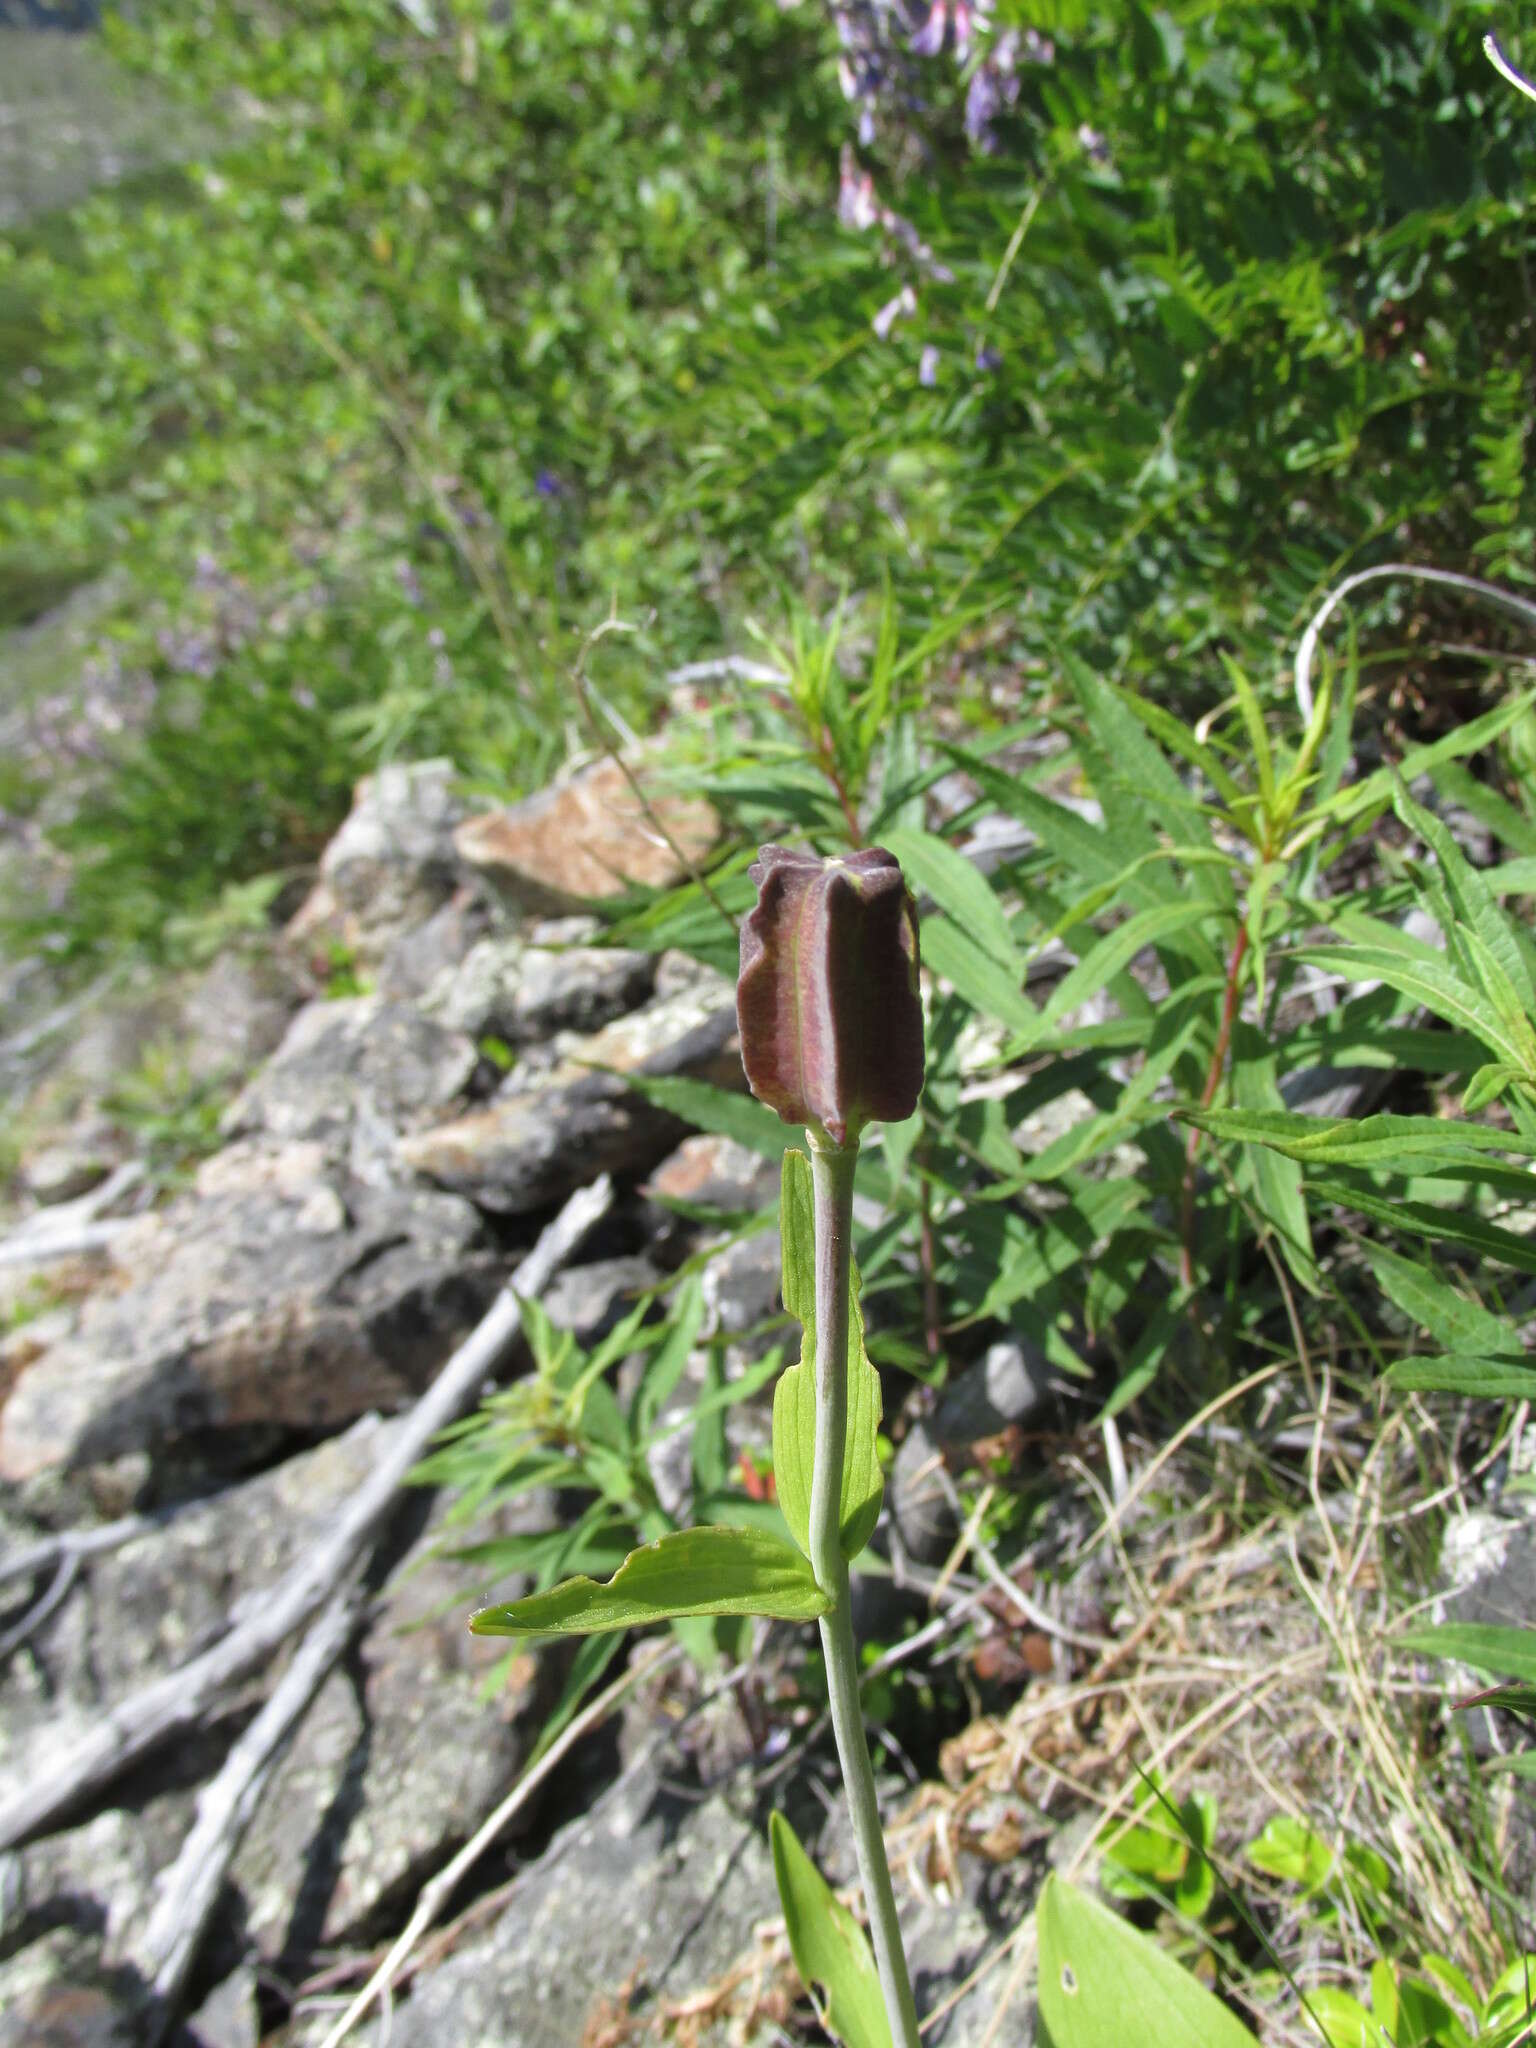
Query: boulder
x=255 y=1314
x=585 y=839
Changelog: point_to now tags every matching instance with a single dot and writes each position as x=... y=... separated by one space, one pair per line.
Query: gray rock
x=589 y=1300
x=1003 y=1389
x=394 y=1766
x=649 y=1891
x=424 y=954
x=392 y=864
x=236 y=1013
x=363 y=1063
x=549 y=1133
x=229 y=2017
x=255 y=1315
x=523 y=993
x=148 y=1606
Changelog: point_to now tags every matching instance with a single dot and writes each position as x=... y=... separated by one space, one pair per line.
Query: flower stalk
x=832 y=1172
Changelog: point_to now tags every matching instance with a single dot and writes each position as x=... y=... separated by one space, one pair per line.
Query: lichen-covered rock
x=394 y=1766
x=360 y=1063
x=585 y=839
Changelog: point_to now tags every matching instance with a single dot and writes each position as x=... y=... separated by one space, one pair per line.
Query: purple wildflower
x=902 y=307
x=928 y=367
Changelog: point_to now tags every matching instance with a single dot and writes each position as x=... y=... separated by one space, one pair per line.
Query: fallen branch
x=189 y=1890
x=179 y=1700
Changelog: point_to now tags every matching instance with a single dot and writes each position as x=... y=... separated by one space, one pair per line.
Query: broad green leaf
x=1344 y=2021
x=794 y=1398
x=1451 y=1319
x=1396 y=1143
x=828 y=1945
x=1501 y=1652
x=692 y=1571
x=1290 y=1849
x=1435 y=984
x=1100 y=1978
x=960 y=890
x=716 y=1110
x=1487 y=1378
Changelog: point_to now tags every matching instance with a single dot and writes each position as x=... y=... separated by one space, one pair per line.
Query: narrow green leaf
x=1179 y=739
x=1429 y=1220
x=1276 y=1179
x=828 y=1945
x=1501 y=1652
x=693 y=1571
x=1099 y=1977
x=794 y=1398
x=719 y=1111
x=1103 y=961
x=1473 y=906
x=1435 y=984
x=960 y=890
x=1453 y=1321
x=1398 y=1143
x=975 y=976
x=1486 y=1086
x=1486 y=1378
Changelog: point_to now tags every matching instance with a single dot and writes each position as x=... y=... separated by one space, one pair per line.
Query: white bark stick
x=189 y=1889
x=181 y=1698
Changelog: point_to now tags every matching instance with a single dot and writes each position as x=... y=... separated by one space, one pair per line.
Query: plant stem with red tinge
x=1212 y=1083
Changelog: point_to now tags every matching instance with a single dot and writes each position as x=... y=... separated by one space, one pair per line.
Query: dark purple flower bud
x=988 y=359
x=827 y=1001
x=548 y=485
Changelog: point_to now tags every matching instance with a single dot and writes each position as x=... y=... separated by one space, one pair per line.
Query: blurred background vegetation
x=436 y=330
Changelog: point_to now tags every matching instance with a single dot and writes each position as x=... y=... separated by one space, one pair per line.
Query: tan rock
x=585 y=839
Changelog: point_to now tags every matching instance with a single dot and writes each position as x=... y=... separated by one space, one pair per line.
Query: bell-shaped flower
x=827 y=1000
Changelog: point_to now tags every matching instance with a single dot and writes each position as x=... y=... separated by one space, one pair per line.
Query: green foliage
x=563 y=1425
x=686 y=1575
x=1096 y=1972
x=451 y=340
x=828 y=1945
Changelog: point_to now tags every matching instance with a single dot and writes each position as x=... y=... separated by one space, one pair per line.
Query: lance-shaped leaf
x=828 y=1945
x=693 y=1571
x=827 y=999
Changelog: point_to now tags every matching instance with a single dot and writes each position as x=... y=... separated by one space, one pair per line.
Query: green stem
x=832 y=1169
